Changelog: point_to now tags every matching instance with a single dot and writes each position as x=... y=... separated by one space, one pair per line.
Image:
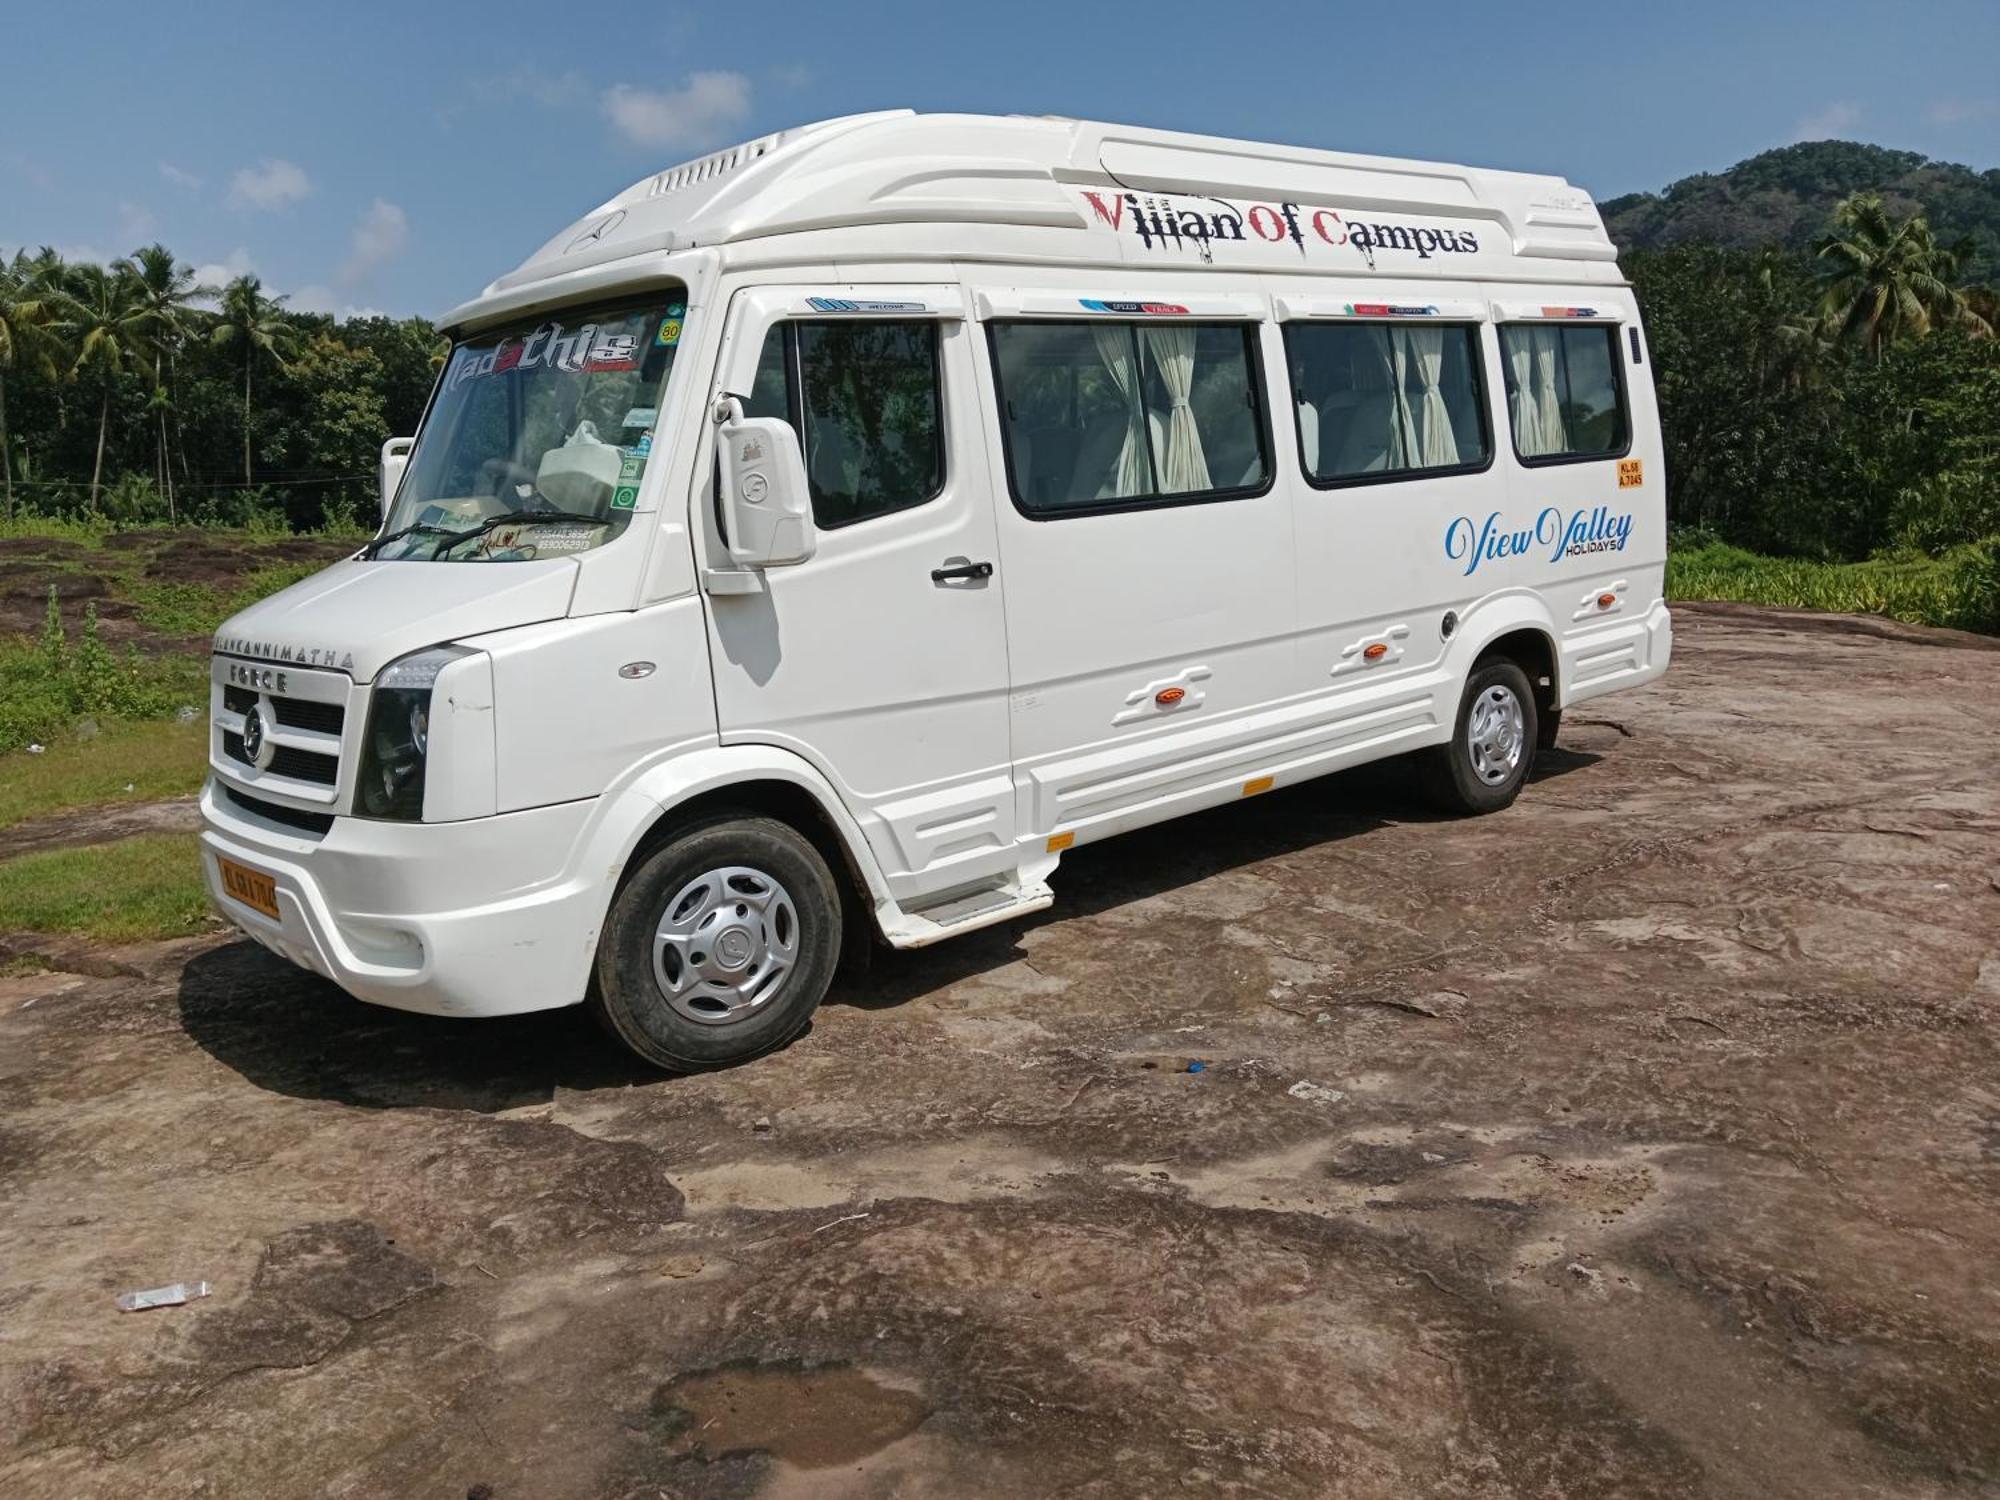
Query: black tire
x=1451 y=772
x=631 y=997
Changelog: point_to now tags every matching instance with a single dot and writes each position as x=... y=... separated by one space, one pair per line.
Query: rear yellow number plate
x=253 y=888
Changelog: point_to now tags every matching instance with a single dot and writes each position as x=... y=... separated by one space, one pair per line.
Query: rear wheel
x=720 y=946
x=1484 y=765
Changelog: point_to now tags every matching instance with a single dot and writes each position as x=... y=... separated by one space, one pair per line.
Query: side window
x=1377 y=400
x=1563 y=393
x=1104 y=415
x=865 y=398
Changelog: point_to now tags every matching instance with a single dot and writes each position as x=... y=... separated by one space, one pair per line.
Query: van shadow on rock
x=1167 y=856
x=294 y=1033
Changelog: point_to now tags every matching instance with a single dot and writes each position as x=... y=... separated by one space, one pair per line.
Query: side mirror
x=766 y=507
x=395 y=458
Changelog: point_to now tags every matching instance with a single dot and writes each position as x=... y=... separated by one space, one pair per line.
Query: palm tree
x=167 y=288
x=25 y=315
x=1798 y=332
x=256 y=323
x=105 y=312
x=1885 y=280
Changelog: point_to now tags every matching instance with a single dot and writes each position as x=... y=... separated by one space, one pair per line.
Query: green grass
x=47 y=689
x=50 y=685
x=141 y=762
x=1960 y=590
x=127 y=892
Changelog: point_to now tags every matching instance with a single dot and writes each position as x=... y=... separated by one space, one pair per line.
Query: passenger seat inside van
x=1362 y=424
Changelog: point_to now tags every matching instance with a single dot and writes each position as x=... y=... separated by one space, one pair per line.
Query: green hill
x=1787 y=196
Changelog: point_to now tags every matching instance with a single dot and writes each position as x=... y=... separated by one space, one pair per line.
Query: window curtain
x=1183 y=467
x=1548 y=399
x=1115 y=348
x=1533 y=431
x=1438 y=446
x=1406 y=422
x=1397 y=454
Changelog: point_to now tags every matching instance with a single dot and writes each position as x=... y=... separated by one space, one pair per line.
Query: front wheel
x=1484 y=765
x=720 y=946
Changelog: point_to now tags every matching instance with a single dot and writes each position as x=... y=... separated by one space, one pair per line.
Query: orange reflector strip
x=1605 y=601
x=1376 y=651
x=1257 y=784
x=1060 y=841
x=1168 y=697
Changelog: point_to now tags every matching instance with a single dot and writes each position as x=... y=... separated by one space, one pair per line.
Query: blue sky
x=396 y=157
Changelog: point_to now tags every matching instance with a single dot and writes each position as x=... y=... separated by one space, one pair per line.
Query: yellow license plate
x=253 y=888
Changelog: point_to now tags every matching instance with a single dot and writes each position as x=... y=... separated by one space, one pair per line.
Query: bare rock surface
x=1650 y=1147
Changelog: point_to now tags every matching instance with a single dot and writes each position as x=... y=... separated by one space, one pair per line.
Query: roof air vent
x=708 y=168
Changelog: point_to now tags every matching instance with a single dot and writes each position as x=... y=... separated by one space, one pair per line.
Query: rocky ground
x=1641 y=1141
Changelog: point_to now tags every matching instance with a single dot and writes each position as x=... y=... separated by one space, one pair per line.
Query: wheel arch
x=760 y=780
x=1516 y=625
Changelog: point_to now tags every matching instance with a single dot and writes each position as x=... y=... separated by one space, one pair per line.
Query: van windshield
x=538 y=437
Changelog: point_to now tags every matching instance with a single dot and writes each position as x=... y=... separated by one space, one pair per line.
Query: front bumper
x=486 y=917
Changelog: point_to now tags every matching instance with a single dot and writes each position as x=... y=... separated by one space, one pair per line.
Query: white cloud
x=135 y=222
x=381 y=235
x=319 y=298
x=37 y=174
x=693 y=115
x=793 y=75
x=180 y=177
x=272 y=183
x=1963 y=111
x=78 y=255
x=550 y=90
x=219 y=273
x=1836 y=119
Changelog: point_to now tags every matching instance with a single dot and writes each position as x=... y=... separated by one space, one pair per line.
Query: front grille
x=287 y=760
x=306 y=822
x=303 y=713
x=293 y=713
x=304 y=716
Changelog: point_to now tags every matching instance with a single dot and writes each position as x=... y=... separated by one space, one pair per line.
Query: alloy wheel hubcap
x=725 y=944
x=1496 y=733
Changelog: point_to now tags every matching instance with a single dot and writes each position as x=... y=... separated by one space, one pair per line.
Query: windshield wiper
x=380 y=542
x=508 y=518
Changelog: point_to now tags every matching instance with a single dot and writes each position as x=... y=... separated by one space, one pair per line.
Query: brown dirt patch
x=1653 y=1149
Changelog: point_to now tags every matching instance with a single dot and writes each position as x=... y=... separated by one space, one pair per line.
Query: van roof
x=898 y=167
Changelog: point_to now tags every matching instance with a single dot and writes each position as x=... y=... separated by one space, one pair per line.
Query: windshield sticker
x=1151 y=309
x=670 y=333
x=1389 y=310
x=529 y=539
x=1599 y=529
x=624 y=497
x=631 y=466
x=641 y=416
x=848 y=305
x=589 y=348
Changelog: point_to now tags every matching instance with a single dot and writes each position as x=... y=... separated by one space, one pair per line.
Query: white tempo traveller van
x=814 y=542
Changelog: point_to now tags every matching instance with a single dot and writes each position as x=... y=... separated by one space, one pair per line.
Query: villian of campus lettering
x=1161 y=221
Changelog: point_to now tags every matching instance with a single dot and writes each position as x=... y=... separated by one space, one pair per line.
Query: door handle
x=957 y=570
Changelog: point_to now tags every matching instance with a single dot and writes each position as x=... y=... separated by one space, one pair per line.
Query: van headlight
x=397 y=746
